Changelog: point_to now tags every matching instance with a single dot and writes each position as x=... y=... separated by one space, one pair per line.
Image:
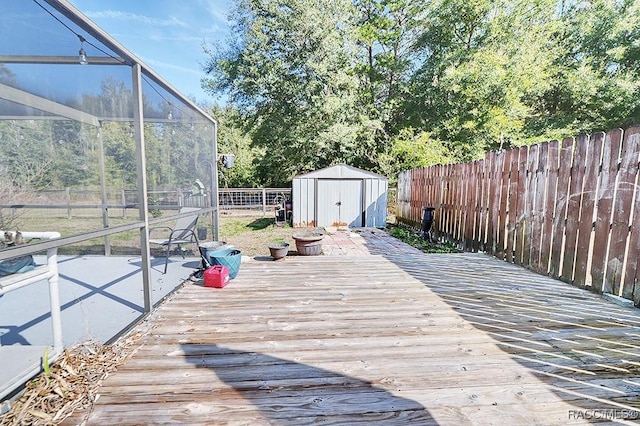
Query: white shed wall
x=303 y=196
x=371 y=197
x=375 y=202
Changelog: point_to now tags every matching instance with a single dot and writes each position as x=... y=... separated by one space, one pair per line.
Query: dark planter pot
x=308 y=243
x=278 y=250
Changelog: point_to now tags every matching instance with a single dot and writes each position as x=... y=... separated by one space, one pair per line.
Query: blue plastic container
x=228 y=257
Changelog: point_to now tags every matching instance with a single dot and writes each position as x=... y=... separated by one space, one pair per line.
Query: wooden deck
x=403 y=339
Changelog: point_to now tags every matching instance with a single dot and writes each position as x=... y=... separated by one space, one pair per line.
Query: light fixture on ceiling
x=82 y=55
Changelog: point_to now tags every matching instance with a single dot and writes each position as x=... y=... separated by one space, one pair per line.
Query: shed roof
x=341 y=171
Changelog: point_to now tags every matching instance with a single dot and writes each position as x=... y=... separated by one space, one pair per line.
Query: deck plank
x=405 y=338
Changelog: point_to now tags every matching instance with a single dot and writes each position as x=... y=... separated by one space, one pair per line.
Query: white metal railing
x=85 y=203
x=19 y=363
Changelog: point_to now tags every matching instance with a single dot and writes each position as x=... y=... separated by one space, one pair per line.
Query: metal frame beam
x=21 y=97
x=58 y=60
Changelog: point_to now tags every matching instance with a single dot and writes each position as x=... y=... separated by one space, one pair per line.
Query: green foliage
x=385 y=85
x=370 y=82
x=413 y=149
x=43 y=154
x=416 y=240
x=154 y=210
x=233 y=139
x=289 y=75
x=594 y=84
x=45 y=363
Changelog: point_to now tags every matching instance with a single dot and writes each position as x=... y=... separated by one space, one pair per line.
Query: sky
x=167 y=35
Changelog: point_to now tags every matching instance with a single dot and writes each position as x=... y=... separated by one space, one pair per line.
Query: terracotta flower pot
x=308 y=243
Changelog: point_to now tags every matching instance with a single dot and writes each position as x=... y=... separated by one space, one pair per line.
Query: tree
x=232 y=140
x=484 y=60
x=412 y=149
x=289 y=73
x=595 y=85
x=319 y=82
x=387 y=32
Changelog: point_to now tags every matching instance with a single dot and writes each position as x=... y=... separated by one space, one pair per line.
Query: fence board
x=574 y=199
x=455 y=201
x=422 y=196
x=492 y=165
x=458 y=201
x=604 y=206
x=520 y=209
x=445 y=201
x=428 y=190
x=568 y=209
x=463 y=170
x=550 y=205
x=428 y=194
x=410 y=190
x=622 y=211
x=478 y=205
x=512 y=208
x=537 y=236
x=413 y=195
x=530 y=194
x=498 y=223
x=416 y=214
x=479 y=215
x=418 y=190
x=587 y=209
x=564 y=173
x=404 y=195
x=423 y=193
x=630 y=277
x=442 y=170
x=468 y=224
x=477 y=193
x=504 y=203
x=437 y=197
x=434 y=195
x=478 y=185
x=466 y=199
x=474 y=186
x=419 y=187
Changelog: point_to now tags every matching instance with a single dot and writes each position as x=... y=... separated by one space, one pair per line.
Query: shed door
x=339 y=202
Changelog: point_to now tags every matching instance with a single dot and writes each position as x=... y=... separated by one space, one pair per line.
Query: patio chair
x=182 y=233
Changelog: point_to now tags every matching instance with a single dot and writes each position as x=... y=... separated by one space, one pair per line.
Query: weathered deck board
x=406 y=339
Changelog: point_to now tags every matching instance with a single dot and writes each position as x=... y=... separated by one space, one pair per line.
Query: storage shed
x=339 y=196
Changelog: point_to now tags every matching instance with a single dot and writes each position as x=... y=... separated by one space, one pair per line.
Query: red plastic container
x=216 y=276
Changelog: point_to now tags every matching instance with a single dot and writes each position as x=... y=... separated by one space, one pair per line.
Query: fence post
x=264 y=201
x=68 y=193
x=124 y=204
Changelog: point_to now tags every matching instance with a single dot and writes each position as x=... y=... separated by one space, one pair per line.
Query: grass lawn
x=249 y=232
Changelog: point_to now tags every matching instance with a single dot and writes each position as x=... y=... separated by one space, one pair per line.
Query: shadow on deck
x=331 y=396
x=585 y=348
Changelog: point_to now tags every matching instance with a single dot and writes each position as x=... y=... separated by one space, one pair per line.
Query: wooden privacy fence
x=566 y=209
